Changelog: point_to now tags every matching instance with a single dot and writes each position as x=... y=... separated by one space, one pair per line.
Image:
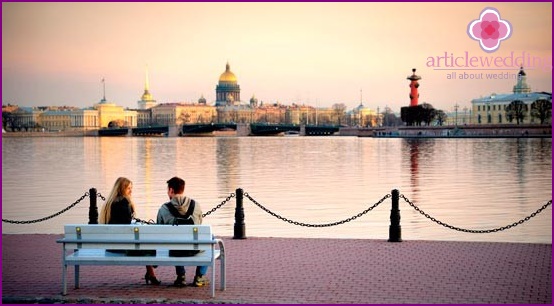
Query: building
x=492 y=109
x=24 y=117
x=56 y=120
x=300 y=114
x=363 y=116
x=110 y=115
x=84 y=119
x=183 y=113
x=227 y=90
x=146 y=101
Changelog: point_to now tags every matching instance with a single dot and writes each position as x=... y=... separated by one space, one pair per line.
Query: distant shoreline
x=460 y=131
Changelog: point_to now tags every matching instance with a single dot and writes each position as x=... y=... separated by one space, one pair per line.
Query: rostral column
x=414 y=94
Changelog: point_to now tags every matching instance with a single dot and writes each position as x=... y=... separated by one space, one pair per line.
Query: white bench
x=86 y=244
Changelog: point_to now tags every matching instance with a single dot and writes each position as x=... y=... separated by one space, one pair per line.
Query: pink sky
x=313 y=53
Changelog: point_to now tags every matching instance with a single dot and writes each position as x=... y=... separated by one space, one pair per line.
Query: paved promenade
x=315 y=271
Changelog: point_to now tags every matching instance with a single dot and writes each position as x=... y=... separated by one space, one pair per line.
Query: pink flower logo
x=489 y=29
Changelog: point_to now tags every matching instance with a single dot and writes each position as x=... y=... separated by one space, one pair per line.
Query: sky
x=309 y=53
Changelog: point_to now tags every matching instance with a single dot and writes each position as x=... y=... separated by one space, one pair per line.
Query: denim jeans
x=180 y=270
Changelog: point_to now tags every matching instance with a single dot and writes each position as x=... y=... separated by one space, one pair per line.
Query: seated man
x=181 y=207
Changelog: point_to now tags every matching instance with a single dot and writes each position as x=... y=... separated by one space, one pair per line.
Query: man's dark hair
x=177 y=184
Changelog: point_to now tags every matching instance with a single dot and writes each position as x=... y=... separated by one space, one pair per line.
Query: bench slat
x=162 y=258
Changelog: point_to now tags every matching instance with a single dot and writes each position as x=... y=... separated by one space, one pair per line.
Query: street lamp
x=456 y=110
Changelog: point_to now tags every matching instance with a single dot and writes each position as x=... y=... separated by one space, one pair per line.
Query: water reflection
x=417 y=153
x=228 y=162
x=470 y=183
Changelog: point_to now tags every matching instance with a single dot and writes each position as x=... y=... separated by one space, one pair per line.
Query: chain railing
x=225 y=201
x=316 y=225
x=51 y=216
x=93 y=206
x=239 y=227
x=494 y=230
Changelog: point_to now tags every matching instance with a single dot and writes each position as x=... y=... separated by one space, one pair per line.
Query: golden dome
x=228 y=76
x=146 y=96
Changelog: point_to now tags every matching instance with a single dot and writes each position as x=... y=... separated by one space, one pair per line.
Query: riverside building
x=492 y=109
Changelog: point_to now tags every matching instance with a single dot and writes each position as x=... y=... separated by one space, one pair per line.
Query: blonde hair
x=118 y=190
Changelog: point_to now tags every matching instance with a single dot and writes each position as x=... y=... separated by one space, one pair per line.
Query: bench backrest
x=138 y=237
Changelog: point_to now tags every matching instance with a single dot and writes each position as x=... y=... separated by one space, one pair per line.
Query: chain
x=498 y=229
x=317 y=225
x=150 y=221
x=99 y=195
x=232 y=195
x=51 y=216
x=203 y=215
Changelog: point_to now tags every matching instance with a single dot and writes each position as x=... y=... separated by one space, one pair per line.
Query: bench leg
x=213 y=281
x=77 y=277
x=64 y=280
x=222 y=272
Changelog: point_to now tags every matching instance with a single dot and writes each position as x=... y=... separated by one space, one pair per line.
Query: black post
x=93 y=209
x=239 y=232
x=394 y=229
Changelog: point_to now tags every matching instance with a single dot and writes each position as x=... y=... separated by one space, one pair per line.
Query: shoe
x=151 y=279
x=180 y=281
x=200 y=281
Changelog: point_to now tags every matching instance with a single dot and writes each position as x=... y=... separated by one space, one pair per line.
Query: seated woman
x=120 y=209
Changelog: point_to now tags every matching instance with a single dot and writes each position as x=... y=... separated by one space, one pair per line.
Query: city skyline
x=312 y=53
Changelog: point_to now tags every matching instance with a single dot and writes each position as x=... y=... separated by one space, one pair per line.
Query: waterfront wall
x=496 y=130
x=52 y=134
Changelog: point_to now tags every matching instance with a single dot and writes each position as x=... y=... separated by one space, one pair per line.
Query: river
x=474 y=184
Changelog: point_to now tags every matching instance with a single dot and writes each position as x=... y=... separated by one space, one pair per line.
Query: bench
x=86 y=244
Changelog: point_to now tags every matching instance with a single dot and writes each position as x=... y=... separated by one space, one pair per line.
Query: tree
x=7 y=119
x=415 y=115
x=338 y=111
x=441 y=117
x=184 y=118
x=118 y=123
x=427 y=113
x=516 y=110
x=542 y=110
x=389 y=118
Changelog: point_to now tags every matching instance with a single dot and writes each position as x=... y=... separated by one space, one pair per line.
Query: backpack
x=183 y=220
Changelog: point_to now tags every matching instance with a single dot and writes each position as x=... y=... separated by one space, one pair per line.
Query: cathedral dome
x=202 y=100
x=228 y=76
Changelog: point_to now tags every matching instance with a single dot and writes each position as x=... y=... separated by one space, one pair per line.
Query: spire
x=146 y=101
x=104 y=91
x=227 y=67
x=146 y=85
x=521 y=85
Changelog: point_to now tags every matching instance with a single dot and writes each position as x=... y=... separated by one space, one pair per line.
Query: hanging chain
x=150 y=221
x=232 y=195
x=316 y=225
x=99 y=195
x=51 y=216
x=498 y=229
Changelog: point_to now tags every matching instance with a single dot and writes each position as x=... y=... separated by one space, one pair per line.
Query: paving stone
x=297 y=270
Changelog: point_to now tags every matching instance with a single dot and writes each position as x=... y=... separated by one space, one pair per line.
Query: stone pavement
x=312 y=271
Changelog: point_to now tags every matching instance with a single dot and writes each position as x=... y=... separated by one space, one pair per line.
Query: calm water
x=468 y=183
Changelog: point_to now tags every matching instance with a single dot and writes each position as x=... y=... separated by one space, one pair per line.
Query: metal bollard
x=239 y=230
x=394 y=229
x=93 y=209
